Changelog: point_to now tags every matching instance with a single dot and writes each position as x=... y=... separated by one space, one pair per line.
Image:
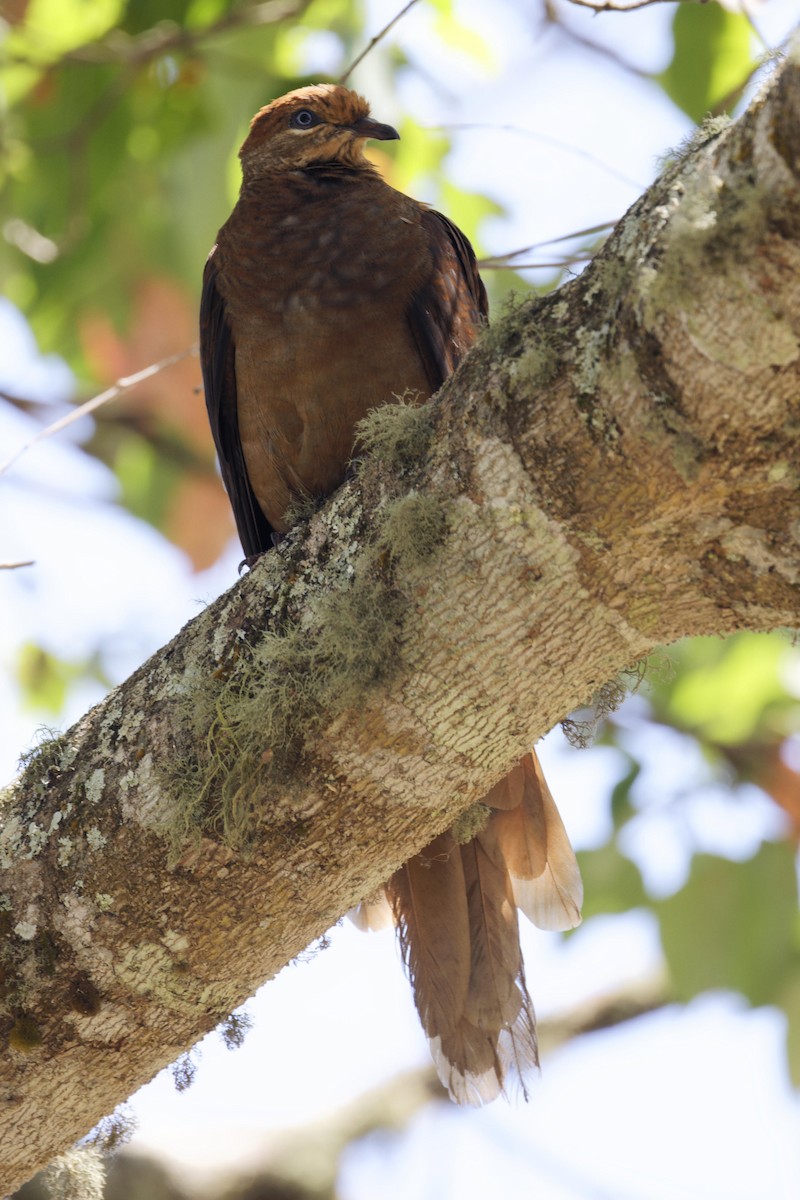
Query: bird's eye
x=304 y=118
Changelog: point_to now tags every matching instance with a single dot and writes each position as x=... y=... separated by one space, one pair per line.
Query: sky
x=689 y=1102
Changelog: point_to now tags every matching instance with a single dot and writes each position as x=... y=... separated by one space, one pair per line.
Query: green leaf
x=418 y=154
x=712 y=57
x=53 y=27
x=621 y=807
x=468 y=210
x=734 y=925
x=42 y=677
x=460 y=37
x=147 y=480
x=789 y=1001
x=45 y=679
x=611 y=882
x=727 y=691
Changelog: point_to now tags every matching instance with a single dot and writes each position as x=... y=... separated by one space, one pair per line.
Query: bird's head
x=310 y=127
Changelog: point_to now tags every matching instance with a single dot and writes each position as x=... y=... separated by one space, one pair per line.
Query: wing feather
x=218 y=363
x=449 y=309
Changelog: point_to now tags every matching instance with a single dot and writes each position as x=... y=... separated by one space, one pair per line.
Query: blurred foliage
x=712 y=60
x=118 y=163
x=732 y=924
x=611 y=882
x=742 y=917
x=44 y=679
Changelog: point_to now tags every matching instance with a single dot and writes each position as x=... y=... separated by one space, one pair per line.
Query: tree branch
x=615 y=466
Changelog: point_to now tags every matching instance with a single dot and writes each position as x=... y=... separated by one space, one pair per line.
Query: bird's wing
x=447 y=311
x=217 y=359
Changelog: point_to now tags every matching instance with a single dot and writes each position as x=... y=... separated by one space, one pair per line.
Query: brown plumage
x=329 y=293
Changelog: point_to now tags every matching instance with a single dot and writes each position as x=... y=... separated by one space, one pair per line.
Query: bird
x=329 y=293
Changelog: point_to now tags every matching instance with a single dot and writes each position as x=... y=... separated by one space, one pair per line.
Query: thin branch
x=563 y=237
x=554 y=18
x=163 y=39
x=544 y=140
x=13 y=566
x=556 y=264
x=122 y=385
x=646 y=995
x=393 y=1104
x=24 y=403
x=378 y=37
x=610 y=6
x=132 y=55
x=499 y=262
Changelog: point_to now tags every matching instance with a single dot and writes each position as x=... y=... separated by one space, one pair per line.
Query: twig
x=122 y=385
x=496 y=262
x=378 y=36
x=562 y=237
x=557 y=264
x=13 y=566
x=164 y=39
x=543 y=138
x=554 y=18
x=610 y=6
x=25 y=403
x=393 y=1104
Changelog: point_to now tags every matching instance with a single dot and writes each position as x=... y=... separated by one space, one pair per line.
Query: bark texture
x=614 y=467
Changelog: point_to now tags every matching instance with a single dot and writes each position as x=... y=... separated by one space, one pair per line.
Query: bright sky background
x=689 y=1104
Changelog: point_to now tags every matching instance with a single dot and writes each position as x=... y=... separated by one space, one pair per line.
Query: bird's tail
x=455 y=908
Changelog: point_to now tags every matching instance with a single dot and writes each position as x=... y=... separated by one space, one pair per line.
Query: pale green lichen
x=95 y=785
x=540 y=362
x=10 y=837
x=37 y=840
x=413 y=527
x=26 y=930
x=250 y=725
x=590 y=349
x=104 y=901
x=713 y=227
x=397 y=434
x=79 y=1174
x=247 y=721
x=701 y=135
x=95 y=838
x=470 y=823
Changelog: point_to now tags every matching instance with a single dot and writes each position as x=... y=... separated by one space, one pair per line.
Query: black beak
x=367 y=128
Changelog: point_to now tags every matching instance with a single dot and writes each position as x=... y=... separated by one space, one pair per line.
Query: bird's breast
x=317 y=298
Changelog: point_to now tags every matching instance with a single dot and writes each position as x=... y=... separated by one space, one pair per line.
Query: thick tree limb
x=614 y=467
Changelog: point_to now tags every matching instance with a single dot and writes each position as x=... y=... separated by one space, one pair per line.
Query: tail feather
x=455 y=908
x=429 y=900
x=493 y=998
x=372 y=915
x=468 y=1065
x=534 y=843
